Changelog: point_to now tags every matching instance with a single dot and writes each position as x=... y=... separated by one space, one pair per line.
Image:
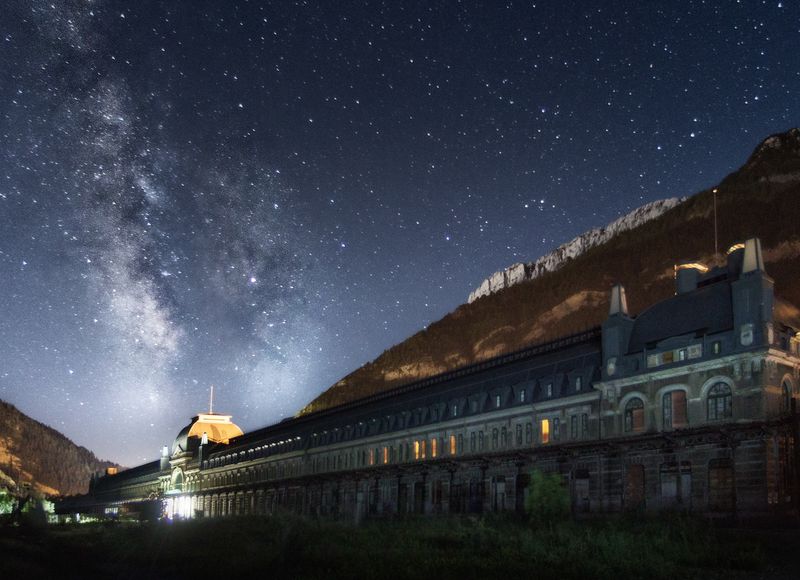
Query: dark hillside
x=31 y=452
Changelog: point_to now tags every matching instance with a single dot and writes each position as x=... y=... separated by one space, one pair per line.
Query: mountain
x=552 y=261
x=33 y=453
x=761 y=199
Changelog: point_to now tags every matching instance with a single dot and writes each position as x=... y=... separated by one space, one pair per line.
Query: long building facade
x=692 y=405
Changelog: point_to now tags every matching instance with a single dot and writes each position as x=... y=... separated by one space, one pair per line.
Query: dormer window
x=578 y=383
x=455 y=410
x=549 y=390
x=497 y=401
x=522 y=396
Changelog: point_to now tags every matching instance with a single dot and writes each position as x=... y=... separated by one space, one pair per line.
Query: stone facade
x=692 y=405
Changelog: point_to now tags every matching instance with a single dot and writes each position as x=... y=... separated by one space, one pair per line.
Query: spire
x=753 y=260
x=619 y=303
x=211 y=401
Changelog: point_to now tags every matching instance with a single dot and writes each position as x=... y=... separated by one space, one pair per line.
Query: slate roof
x=707 y=310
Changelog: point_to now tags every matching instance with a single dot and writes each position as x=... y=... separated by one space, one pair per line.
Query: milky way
x=263 y=196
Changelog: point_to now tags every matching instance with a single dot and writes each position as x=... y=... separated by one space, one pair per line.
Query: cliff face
x=33 y=453
x=761 y=199
x=552 y=261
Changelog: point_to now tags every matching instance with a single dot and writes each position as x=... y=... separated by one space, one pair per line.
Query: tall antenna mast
x=716 y=239
x=211 y=402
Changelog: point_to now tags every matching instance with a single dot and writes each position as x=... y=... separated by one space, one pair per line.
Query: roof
x=218 y=429
x=708 y=310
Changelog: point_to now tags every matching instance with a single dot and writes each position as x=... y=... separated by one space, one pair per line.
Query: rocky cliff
x=33 y=453
x=760 y=199
x=552 y=261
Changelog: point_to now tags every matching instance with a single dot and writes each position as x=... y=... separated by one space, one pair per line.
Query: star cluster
x=265 y=195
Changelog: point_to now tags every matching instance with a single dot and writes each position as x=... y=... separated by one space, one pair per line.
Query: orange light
x=433 y=447
x=452 y=444
x=545 y=430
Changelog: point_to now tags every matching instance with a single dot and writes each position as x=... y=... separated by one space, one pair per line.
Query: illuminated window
x=386 y=455
x=453 y=445
x=719 y=402
x=634 y=416
x=416 y=450
x=372 y=457
x=423 y=449
x=545 y=430
x=434 y=447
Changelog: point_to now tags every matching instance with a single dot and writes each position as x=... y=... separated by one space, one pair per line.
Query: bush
x=548 y=499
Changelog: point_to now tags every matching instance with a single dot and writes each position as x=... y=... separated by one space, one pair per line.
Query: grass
x=290 y=547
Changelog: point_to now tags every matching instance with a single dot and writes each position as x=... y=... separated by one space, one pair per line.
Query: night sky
x=265 y=195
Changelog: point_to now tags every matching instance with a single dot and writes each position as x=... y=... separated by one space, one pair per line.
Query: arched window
x=786 y=396
x=494 y=438
x=634 y=416
x=719 y=402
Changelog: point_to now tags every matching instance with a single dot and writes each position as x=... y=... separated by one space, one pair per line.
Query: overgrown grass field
x=290 y=547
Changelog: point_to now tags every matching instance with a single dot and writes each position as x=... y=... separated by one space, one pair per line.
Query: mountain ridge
x=750 y=201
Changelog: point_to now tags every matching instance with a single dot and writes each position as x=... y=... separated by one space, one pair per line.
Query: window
x=519 y=435
x=578 y=383
x=497 y=401
x=455 y=410
x=385 y=455
x=544 y=425
x=573 y=426
x=416 y=450
x=372 y=457
x=453 y=448
x=716 y=347
x=682 y=354
x=556 y=429
x=528 y=433
x=423 y=448
x=522 y=396
x=719 y=402
x=634 y=416
x=434 y=447
x=503 y=437
x=472 y=441
x=584 y=424
x=494 y=438
x=721 y=487
x=460 y=447
x=480 y=440
x=673 y=408
x=549 y=390
x=786 y=396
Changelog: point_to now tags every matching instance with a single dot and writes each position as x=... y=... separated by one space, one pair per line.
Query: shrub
x=548 y=499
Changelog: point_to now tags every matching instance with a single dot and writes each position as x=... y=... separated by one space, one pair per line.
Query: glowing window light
x=434 y=448
x=416 y=450
x=453 y=447
x=545 y=425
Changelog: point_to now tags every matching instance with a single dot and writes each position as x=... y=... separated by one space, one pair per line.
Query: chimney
x=753 y=260
x=619 y=303
x=164 y=458
x=687 y=276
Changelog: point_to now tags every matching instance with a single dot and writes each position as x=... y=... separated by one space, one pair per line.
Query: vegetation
x=548 y=501
x=288 y=547
x=33 y=452
x=758 y=200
